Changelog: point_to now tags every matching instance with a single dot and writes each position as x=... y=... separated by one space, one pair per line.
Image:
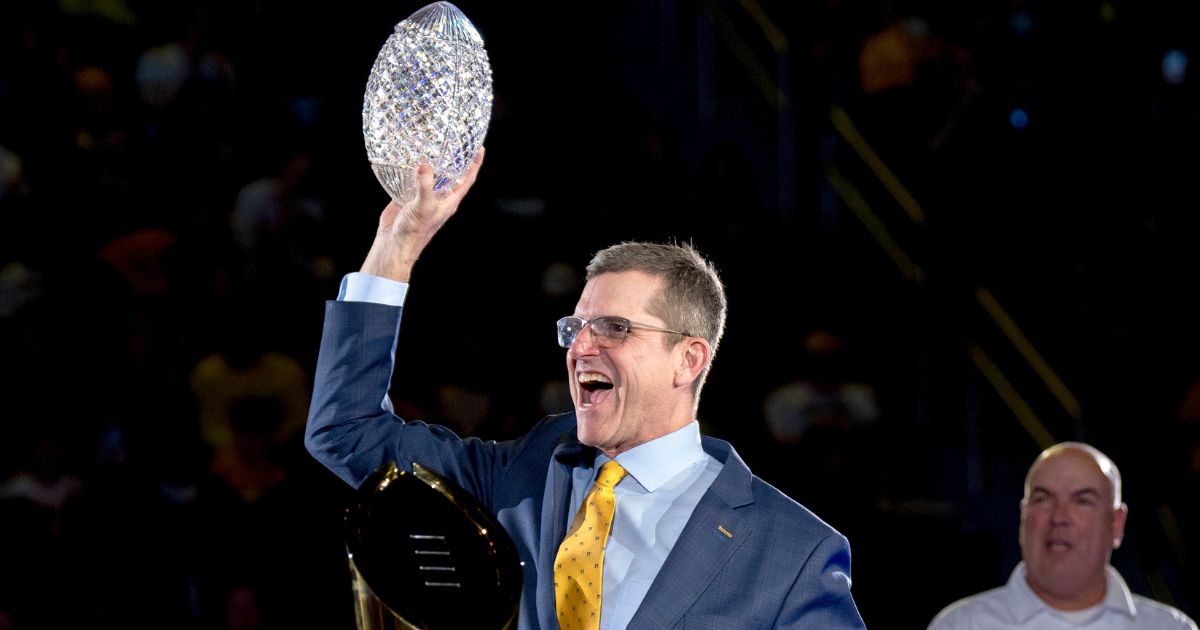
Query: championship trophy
x=426 y=554
x=428 y=98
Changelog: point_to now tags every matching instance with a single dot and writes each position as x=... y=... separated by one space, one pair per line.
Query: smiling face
x=1069 y=527
x=639 y=390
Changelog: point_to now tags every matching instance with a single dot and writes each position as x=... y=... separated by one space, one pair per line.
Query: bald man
x=1072 y=518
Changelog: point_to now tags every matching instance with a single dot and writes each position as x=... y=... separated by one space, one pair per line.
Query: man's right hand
x=405 y=230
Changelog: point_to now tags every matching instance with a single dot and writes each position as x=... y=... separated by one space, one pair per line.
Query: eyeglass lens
x=608 y=331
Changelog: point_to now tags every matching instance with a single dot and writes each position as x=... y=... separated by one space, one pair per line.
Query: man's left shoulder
x=788 y=513
x=1152 y=614
x=783 y=517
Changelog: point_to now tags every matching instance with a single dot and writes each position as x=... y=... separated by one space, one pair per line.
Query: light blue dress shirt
x=665 y=481
x=361 y=287
x=667 y=477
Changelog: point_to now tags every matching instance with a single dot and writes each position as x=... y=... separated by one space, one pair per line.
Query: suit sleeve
x=820 y=597
x=352 y=429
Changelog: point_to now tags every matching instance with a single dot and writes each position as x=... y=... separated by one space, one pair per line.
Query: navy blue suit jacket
x=749 y=557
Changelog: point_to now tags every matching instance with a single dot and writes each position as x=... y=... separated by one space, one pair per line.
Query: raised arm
x=351 y=427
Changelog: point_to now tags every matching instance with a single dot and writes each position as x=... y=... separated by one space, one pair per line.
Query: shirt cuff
x=362 y=287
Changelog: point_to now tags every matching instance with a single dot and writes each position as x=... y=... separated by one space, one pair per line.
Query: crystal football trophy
x=429 y=97
x=426 y=554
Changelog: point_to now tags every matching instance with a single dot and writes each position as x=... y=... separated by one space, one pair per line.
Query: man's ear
x=1119 y=516
x=692 y=360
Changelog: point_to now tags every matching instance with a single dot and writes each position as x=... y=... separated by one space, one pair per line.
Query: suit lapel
x=717 y=528
x=555 y=503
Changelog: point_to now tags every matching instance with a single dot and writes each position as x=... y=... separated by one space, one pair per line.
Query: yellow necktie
x=579 y=567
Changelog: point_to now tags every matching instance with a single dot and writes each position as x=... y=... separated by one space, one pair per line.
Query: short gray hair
x=692 y=297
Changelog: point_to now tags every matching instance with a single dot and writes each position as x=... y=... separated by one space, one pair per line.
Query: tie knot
x=610 y=473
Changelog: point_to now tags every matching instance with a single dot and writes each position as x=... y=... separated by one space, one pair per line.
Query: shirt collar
x=1025 y=603
x=652 y=464
x=1117 y=596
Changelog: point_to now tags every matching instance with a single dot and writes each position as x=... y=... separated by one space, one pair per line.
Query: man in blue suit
x=695 y=541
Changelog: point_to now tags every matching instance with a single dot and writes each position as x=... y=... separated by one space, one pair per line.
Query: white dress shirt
x=1015 y=605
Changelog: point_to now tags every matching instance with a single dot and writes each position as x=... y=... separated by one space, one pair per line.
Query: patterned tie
x=579 y=567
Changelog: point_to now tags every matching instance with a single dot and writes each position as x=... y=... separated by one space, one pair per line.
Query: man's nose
x=1060 y=514
x=585 y=343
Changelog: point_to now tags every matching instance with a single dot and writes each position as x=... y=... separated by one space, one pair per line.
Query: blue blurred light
x=1174 y=66
x=1019 y=119
x=1022 y=23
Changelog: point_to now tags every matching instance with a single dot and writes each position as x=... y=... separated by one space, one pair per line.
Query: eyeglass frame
x=629 y=326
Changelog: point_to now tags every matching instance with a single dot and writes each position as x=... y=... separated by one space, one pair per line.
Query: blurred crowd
x=182 y=185
x=162 y=180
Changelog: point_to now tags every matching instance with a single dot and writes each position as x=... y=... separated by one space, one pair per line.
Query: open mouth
x=593 y=387
x=1058 y=545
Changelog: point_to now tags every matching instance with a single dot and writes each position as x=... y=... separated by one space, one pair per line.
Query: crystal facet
x=429 y=97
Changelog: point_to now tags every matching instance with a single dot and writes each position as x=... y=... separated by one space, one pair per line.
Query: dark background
x=183 y=184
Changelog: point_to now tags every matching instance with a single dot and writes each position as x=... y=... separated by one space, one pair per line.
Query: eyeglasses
x=607 y=331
